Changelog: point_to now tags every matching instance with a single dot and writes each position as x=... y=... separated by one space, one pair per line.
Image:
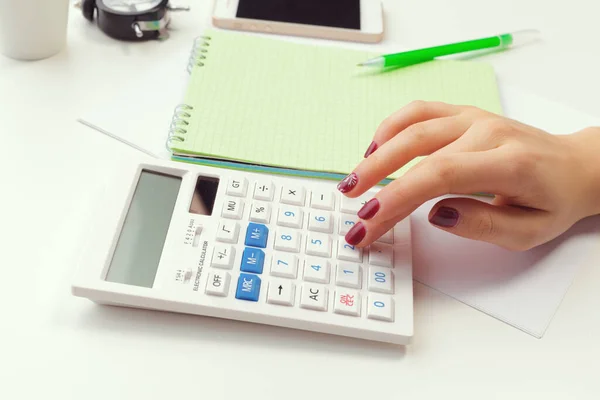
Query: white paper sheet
x=521 y=289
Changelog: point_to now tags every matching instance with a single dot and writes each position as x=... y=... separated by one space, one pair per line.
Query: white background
x=53 y=344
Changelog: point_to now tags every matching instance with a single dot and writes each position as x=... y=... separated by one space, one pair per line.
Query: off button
x=217 y=283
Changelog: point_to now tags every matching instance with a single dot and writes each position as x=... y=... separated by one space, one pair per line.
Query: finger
x=476 y=138
x=462 y=173
x=358 y=231
x=481 y=135
x=510 y=227
x=414 y=112
x=420 y=139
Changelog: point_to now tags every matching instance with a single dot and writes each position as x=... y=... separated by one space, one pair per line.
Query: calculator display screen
x=140 y=244
x=332 y=13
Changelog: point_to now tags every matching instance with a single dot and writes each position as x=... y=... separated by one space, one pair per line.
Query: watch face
x=131 y=6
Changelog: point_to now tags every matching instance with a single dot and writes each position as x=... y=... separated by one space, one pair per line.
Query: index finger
x=416 y=111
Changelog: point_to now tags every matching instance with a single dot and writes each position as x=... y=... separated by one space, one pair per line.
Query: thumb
x=510 y=227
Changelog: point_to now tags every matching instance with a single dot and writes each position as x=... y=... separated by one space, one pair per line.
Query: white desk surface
x=54 y=344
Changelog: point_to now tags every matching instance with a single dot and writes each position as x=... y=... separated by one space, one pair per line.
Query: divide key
x=256 y=235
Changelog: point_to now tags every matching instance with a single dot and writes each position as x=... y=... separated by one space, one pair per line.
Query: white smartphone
x=350 y=20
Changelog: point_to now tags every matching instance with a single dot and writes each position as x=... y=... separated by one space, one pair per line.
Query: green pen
x=422 y=55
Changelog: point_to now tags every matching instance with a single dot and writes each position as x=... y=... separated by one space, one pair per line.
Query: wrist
x=587 y=142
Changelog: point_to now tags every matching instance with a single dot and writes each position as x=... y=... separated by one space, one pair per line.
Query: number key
x=320 y=222
x=349 y=252
x=290 y=217
x=318 y=244
x=347 y=221
x=349 y=275
x=284 y=265
x=316 y=270
x=288 y=240
x=381 y=280
x=380 y=307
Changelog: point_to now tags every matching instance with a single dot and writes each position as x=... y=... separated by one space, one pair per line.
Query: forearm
x=588 y=142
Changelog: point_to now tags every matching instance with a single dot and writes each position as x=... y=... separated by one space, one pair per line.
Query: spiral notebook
x=271 y=105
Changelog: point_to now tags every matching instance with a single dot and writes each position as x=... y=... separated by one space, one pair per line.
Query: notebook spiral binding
x=182 y=113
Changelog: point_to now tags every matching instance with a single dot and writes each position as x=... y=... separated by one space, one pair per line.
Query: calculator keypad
x=349 y=275
x=314 y=297
x=317 y=270
x=318 y=244
x=228 y=231
x=292 y=247
x=237 y=187
x=288 y=240
x=260 y=212
x=320 y=221
x=218 y=283
x=347 y=302
x=380 y=307
x=284 y=265
x=233 y=208
x=281 y=291
x=322 y=200
x=293 y=195
x=223 y=256
x=291 y=217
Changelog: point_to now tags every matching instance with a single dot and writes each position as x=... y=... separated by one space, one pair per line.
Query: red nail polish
x=356 y=234
x=348 y=183
x=369 y=210
x=371 y=149
x=445 y=217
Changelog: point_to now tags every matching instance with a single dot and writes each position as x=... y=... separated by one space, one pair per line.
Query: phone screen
x=331 y=13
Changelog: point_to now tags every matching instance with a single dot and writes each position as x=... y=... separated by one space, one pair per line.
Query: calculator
x=247 y=246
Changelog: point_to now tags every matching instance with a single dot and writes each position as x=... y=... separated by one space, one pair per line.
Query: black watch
x=131 y=20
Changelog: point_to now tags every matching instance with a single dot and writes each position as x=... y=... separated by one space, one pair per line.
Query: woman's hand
x=542 y=183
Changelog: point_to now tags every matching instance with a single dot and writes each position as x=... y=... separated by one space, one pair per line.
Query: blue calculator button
x=248 y=287
x=253 y=260
x=256 y=235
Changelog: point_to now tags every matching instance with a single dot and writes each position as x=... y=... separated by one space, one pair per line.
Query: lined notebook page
x=272 y=102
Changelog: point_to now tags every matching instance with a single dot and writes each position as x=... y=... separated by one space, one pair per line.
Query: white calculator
x=253 y=247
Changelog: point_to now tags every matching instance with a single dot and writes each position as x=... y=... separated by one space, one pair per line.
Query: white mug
x=33 y=29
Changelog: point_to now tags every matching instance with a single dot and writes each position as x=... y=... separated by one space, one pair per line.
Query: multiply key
x=257 y=235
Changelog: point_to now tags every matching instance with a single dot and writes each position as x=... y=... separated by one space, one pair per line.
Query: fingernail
x=356 y=234
x=369 y=210
x=371 y=149
x=348 y=183
x=445 y=216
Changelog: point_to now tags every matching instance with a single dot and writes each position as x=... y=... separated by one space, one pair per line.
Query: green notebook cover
x=271 y=105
